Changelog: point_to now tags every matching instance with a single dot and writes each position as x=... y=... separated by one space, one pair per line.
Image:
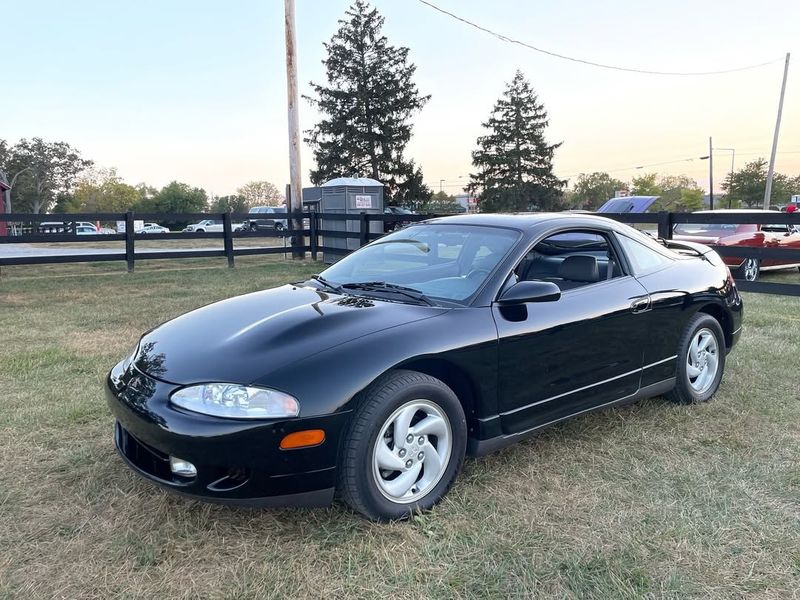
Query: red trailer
x=4 y=185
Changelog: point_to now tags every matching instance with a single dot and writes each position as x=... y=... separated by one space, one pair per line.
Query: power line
x=511 y=40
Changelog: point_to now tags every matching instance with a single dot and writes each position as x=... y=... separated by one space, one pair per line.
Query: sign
x=621 y=194
x=363 y=201
x=136 y=226
x=796 y=199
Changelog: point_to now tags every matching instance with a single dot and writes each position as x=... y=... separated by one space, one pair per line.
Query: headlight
x=236 y=401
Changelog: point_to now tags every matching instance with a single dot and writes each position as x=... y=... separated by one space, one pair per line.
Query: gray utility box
x=349 y=196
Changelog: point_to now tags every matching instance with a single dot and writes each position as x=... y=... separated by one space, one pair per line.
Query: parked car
x=212 y=225
x=744 y=235
x=51 y=227
x=86 y=230
x=628 y=204
x=397 y=211
x=152 y=228
x=456 y=335
x=262 y=218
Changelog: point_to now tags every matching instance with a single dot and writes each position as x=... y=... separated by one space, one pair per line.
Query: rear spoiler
x=683 y=247
x=693 y=249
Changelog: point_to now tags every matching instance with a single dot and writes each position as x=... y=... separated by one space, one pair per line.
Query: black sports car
x=455 y=335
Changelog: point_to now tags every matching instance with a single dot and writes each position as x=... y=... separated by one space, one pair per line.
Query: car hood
x=244 y=338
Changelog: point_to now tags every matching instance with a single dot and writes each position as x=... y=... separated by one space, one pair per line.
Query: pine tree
x=368 y=102
x=514 y=161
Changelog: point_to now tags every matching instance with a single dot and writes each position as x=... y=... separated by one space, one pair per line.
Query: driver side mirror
x=530 y=291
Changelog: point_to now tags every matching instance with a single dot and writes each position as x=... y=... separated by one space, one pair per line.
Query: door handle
x=640 y=305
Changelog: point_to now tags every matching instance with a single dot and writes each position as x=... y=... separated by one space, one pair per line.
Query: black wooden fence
x=313 y=237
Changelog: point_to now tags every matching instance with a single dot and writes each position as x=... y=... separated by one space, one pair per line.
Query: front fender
x=328 y=382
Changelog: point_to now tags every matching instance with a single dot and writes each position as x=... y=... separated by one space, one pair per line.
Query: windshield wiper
x=331 y=286
x=382 y=286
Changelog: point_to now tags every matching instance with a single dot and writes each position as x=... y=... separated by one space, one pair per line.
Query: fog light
x=182 y=468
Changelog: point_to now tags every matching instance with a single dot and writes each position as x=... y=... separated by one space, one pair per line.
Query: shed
x=349 y=195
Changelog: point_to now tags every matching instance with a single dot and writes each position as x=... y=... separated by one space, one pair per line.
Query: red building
x=3 y=187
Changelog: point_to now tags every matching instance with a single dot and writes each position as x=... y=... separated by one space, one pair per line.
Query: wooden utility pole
x=294 y=202
x=710 y=175
x=771 y=172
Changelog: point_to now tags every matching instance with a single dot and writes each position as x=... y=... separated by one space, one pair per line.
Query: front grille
x=142 y=456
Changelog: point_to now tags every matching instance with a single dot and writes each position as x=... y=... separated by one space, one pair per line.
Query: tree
x=442 y=203
x=677 y=193
x=748 y=185
x=175 y=197
x=413 y=192
x=260 y=193
x=367 y=105
x=233 y=203
x=40 y=171
x=592 y=190
x=645 y=185
x=514 y=161
x=101 y=191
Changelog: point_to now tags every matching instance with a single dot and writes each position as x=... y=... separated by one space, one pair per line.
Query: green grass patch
x=650 y=500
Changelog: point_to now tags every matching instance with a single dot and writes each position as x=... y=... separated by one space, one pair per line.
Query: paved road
x=36 y=250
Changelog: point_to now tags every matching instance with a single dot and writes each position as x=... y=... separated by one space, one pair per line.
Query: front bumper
x=237 y=461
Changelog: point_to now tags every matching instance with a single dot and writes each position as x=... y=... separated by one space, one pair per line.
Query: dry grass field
x=650 y=500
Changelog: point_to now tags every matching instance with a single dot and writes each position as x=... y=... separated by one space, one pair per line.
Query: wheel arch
x=453 y=376
x=723 y=318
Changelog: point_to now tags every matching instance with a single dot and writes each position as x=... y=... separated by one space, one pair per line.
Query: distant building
x=5 y=191
x=470 y=203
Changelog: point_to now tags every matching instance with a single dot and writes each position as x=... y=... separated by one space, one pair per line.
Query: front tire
x=701 y=361
x=403 y=448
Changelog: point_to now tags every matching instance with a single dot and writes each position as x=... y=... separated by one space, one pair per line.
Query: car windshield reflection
x=446 y=262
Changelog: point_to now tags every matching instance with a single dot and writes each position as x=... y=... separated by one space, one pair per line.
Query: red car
x=745 y=235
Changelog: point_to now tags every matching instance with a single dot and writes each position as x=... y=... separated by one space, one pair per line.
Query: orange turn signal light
x=303 y=439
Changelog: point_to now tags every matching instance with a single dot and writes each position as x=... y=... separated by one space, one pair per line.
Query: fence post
x=363 y=230
x=665 y=225
x=129 y=250
x=312 y=234
x=227 y=238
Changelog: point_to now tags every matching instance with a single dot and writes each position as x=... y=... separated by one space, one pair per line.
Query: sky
x=195 y=90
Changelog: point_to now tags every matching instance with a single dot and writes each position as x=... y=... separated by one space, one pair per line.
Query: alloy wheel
x=412 y=451
x=702 y=360
x=751 y=269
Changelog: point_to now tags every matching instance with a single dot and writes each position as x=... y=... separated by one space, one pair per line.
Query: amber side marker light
x=303 y=439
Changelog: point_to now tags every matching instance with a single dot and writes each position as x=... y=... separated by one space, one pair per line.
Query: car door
x=563 y=357
x=780 y=236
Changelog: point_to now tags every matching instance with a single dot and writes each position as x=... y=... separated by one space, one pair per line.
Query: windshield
x=713 y=229
x=449 y=262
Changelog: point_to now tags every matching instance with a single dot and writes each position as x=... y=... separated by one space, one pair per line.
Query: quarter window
x=642 y=258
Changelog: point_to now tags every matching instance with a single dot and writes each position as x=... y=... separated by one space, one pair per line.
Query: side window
x=642 y=258
x=571 y=259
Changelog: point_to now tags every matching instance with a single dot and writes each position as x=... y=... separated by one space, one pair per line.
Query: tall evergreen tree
x=368 y=102
x=514 y=161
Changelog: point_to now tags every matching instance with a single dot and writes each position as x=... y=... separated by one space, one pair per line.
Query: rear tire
x=385 y=478
x=750 y=269
x=701 y=361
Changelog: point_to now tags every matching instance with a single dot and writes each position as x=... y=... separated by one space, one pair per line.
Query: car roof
x=523 y=220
